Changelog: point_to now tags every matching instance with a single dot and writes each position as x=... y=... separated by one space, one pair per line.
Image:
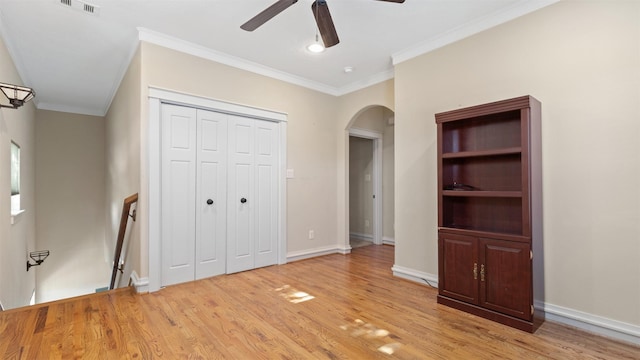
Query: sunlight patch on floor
x=293 y=295
x=366 y=330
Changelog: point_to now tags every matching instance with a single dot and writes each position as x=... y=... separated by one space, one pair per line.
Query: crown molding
x=70 y=109
x=521 y=8
x=186 y=47
x=371 y=80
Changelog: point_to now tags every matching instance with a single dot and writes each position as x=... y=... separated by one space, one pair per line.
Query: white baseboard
x=599 y=325
x=140 y=284
x=361 y=236
x=368 y=237
x=309 y=253
x=591 y=323
x=415 y=275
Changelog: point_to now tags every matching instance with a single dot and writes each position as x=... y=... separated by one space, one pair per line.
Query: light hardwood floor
x=331 y=307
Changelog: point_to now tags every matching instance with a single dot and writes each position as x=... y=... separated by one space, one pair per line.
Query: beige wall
x=582 y=61
x=70 y=210
x=16 y=284
x=123 y=162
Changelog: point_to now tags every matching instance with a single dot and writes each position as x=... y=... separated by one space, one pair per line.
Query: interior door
x=178 y=191
x=361 y=189
x=211 y=199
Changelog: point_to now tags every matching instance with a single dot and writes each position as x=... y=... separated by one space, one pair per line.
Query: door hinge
x=532 y=310
x=530 y=254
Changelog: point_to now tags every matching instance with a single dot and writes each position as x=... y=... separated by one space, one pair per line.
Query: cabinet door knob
x=475 y=271
x=482 y=272
x=209 y=201
x=243 y=200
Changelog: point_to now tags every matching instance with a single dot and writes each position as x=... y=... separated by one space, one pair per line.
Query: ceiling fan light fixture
x=316 y=47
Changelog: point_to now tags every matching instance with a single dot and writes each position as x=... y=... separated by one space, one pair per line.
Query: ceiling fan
x=320 y=11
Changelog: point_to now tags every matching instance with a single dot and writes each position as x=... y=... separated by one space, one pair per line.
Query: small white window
x=15 y=178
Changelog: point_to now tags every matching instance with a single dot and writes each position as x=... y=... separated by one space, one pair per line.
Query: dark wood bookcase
x=490 y=211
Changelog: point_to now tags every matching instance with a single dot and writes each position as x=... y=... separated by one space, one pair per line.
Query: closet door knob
x=243 y=200
x=209 y=202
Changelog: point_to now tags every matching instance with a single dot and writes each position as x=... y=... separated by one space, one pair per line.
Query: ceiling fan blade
x=266 y=15
x=325 y=23
x=394 y=1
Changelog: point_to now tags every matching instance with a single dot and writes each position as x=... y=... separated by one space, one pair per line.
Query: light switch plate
x=290 y=174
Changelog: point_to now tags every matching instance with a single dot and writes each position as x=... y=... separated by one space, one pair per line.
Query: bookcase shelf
x=471 y=193
x=494 y=214
x=492 y=152
x=488 y=173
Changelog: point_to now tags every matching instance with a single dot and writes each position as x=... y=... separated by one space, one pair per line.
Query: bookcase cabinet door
x=505 y=280
x=458 y=273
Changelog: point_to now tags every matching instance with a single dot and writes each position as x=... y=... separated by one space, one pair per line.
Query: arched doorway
x=370 y=188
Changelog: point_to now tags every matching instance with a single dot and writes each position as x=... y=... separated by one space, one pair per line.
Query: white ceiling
x=75 y=60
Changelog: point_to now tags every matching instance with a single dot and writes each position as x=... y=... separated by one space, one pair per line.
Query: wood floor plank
x=331 y=307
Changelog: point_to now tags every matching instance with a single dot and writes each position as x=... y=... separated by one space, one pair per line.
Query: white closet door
x=211 y=202
x=219 y=194
x=178 y=191
x=240 y=195
x=266 y=193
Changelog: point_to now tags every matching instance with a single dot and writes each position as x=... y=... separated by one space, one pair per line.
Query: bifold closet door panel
x=240 y=194
x=178 y=191
x=266 y=193
x=252 y=231
x=211 y=199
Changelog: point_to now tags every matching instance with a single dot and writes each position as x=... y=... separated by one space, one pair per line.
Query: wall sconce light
x=38 y=257
x=17 y=95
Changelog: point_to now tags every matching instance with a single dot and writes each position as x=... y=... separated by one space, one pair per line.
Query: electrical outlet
x=366 y=223
x=312 y=235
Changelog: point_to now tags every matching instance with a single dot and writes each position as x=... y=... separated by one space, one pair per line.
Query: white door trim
x=158 y=96
x=377 y=179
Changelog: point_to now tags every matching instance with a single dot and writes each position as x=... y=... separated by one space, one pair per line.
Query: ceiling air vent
x=81 y=6
x=89 y=8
